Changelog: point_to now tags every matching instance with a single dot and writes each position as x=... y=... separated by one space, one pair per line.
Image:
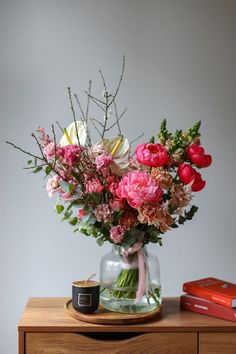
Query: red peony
x=188 y=174
x=152 y=155
x=196 y=155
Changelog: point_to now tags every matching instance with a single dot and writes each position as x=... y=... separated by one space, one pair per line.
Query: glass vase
x=130 y=283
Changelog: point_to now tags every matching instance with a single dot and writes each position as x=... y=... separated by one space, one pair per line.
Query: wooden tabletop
x=48 y=314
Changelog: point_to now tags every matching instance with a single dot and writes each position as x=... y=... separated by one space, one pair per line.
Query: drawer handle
x=114 y=336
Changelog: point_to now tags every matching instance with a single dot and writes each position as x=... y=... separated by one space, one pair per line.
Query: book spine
x=207 y=308
x=207 y=295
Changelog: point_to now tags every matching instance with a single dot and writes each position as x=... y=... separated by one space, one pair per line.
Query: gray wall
x=180 y=65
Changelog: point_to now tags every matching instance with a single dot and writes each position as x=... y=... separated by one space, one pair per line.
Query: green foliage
x=67 y=187
x=73 y=221
x=29 y=162
x=188 y=215
x=48 y=170
x=152 y=234
x=67 y=214
x=152 y=140
x=59 y=208
x=194 y=131
x=96 y=197
x=37 y=169
x=163 y=134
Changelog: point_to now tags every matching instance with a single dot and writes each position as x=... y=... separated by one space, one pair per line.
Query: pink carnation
x=103 y=160
x=138 y=187
x=103 y=213
x=94 y=186
x=53 y=185
x=152 y=155
x=117 y=233
x=113 y=187
x=71 y=153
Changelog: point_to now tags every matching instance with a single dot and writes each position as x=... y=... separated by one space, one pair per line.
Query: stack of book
x=210 y=296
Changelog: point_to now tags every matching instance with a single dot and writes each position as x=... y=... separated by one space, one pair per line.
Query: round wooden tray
x=103 y=316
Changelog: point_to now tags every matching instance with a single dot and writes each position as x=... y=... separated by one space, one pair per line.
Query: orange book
x=212 y=289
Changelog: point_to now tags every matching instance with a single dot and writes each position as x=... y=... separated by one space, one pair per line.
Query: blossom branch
x=73 y=112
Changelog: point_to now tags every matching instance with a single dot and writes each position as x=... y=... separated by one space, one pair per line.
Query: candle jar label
x=85 y=299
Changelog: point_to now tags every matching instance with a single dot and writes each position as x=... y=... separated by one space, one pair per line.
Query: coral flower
x=139 y=187
x=152 y=155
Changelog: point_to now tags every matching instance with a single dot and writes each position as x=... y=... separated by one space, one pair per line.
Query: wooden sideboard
x=46 y=328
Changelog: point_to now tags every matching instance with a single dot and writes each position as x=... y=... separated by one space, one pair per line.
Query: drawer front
x=217 y=343
x=75 y=343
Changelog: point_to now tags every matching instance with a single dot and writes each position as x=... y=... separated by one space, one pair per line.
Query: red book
x=205 y=307
x=212 y=289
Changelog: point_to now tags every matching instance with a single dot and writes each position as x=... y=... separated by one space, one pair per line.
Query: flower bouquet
x=128 y=200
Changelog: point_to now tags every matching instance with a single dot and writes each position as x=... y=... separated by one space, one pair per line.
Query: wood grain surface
x=217 y=343
x=103 y=316
x=48 y=315
x=74 y=343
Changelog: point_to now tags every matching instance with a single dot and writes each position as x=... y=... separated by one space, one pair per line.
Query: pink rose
x=138 y=187
x=152 y=155
x=94 y=186
x=117 y=204
x=53 y=185
x=196 y=155
x=117 y=233
x=188 y=174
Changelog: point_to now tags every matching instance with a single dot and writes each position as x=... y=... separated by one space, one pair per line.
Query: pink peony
x=117 y=204
x=94 y=186
x=152 y=155
x=53 y=185
x=117 y=233
x=71 y=153
x=138 y=187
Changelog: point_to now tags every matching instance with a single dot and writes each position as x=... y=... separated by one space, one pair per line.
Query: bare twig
x=104 y=82
x=138 y=137
x=24 y=151
x=96 y=100
x=88 y=101
x=97 y=121
x=91 y=119
x=80 y=106
x=60 y=127
x=33 y=167
x=73 y=112
x=117 y=120
x=55 y=146
x=119 y=83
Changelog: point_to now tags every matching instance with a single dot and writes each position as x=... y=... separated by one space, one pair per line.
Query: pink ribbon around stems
x=137 y=247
